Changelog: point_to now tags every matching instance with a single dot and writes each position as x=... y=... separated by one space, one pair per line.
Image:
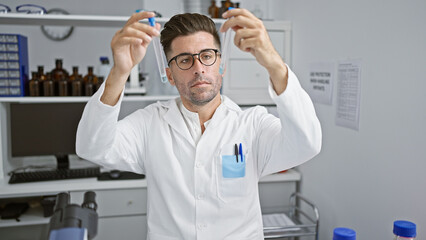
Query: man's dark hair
x=186 y=24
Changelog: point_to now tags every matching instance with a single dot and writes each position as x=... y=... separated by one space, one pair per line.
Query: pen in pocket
x=236 y=151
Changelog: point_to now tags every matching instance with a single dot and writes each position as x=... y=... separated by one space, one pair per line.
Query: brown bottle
x=76 y=81
x=58 y=73
x=77 y=87
x=48 y=86
x=34 y=85
x=74 y=74
x=40 y=74
x=90 y=81
x=224 y=7
x=100 y=81
x=63 y=87
x=213 y=10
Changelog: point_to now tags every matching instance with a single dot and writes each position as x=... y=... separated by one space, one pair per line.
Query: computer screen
x=44 y=128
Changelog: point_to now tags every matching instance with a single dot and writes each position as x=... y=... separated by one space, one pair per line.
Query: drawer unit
x=118 y=202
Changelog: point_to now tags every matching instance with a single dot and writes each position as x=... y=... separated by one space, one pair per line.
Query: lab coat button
x=198 y=164
x=200 y=196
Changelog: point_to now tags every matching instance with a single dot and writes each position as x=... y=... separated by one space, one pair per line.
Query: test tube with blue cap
x=158 y=53
x=226 y=40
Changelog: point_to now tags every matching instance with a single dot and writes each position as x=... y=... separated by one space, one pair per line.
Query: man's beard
x=195 y=97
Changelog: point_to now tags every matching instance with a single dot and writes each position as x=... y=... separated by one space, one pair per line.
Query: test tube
x=158 y=53
x=226 y=40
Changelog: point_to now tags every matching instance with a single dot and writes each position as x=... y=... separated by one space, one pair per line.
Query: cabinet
x=246 y=82
x=121 y=204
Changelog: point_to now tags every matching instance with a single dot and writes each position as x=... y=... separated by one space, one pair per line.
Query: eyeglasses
x=24 y=8
x=185 y=61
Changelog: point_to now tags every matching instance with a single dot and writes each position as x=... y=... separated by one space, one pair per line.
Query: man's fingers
x=136 y=17
x=139 y=30
x=237 y=12
x=247 y=45
x=245 y=33
x=240 y=22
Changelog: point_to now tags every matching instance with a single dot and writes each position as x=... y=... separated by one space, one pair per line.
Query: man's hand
x=251 y=36
x=129 y=46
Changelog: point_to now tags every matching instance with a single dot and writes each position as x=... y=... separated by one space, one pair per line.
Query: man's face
x=199 y=84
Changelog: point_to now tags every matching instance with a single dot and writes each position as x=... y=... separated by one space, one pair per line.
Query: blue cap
x=404 y=228
x=344 y=234
x=151 y=21
x=230 y=8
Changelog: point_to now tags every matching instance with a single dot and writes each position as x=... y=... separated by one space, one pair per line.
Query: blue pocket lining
x=231 y=168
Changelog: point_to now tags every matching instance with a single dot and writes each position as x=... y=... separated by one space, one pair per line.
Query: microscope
x=72 y=222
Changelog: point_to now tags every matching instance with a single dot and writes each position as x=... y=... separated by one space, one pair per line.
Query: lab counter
x=121 y=203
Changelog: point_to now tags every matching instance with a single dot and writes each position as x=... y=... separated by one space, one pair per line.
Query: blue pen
x=241 y=152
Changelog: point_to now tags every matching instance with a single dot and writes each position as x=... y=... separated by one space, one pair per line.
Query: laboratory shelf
x=33 y=216
x=71 y=20
x=152 y=98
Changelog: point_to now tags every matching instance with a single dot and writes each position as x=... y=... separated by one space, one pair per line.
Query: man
x=201 y=154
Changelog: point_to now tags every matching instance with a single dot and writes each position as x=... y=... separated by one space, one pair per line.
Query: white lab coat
x=188 y=195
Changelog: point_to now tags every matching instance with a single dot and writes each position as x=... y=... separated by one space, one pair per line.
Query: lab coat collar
x=226 y=107
x=174 y=117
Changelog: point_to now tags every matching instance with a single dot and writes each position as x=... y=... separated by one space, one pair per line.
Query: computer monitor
x=40 y=129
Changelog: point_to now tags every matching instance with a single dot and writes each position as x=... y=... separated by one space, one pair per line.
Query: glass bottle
x=90 y=77
x=40 y=74
x=404 y=230
x=213 y=10
x=74 y=74
x=90 y=81
x=100 y=81
x=48 y=86
x=58 y=73
x=222 y=9
x=63 y=87
x=34 y=85
x=76 y=81
x=344 y=234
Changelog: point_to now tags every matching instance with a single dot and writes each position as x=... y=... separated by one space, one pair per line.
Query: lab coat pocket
x=233 y=168
x=231 y=175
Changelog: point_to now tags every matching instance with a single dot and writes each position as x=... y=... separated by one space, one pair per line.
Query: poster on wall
x=320 y=87
x=348 y=93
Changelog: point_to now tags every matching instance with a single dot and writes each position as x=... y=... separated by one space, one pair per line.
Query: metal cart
x=301 y=220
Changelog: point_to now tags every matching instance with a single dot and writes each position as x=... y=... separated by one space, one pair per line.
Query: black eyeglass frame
x=216 y=51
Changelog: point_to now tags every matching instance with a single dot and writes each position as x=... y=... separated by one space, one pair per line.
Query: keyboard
x=52 y=175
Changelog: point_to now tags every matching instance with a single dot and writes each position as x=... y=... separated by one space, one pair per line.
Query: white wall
x=366 y=179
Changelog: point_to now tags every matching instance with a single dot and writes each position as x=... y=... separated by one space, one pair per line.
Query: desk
x=121 y=204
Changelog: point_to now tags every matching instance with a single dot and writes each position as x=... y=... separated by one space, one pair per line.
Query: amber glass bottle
x=34 y=85
x=48 y=86
x=63 y=89
x=58 y=73
x=224 y=7
x=40 y=73
x=90 y=81
x=100 y=81
x=213 y=10
x=76 y=81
